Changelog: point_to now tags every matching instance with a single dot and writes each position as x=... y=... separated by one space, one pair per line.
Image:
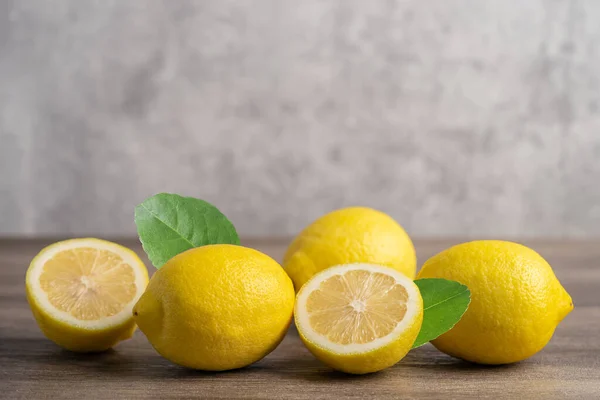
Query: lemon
x=349 y=235
x=81 y=292
x=216 y=307
x=359 y=318
x=516 y=301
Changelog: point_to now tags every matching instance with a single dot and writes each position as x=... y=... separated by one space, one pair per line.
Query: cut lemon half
x=81 y=292
x=359 y=318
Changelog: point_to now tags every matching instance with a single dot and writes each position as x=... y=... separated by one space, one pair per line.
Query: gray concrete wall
x=468 y=117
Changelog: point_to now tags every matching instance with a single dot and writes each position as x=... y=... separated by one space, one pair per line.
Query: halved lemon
x=359 y=318
x=81 y=292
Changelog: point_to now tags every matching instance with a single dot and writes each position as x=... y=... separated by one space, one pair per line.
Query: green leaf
x=169 y=224
x=444 y=303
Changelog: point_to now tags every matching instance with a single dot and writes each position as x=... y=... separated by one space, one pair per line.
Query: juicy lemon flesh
x=357 y=307
x=359 y=318
x=88 y=283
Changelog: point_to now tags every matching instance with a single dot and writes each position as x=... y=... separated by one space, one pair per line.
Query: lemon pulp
x=88 y=283
x=357 y=307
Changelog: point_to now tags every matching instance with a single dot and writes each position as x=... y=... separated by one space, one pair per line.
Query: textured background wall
x=456 y=117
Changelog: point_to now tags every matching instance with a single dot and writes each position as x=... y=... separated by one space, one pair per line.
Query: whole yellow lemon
x=216 y=307
x=516 y=301
x=346 y=236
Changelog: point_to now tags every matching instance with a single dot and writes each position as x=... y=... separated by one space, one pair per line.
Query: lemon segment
x=359 y=318
x=81 y=292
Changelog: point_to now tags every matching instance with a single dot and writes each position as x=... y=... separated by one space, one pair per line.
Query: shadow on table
x=40 y=358
x=421 y=361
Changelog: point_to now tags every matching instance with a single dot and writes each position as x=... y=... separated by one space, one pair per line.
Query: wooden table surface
x=31 y=367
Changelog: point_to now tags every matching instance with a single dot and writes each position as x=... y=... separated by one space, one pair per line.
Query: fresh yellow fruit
x=216 y=307
x=81 y=292
x=359 y=318
x=516 y=301
x=349 y=235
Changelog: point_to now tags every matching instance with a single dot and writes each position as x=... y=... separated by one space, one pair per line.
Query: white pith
x=41 y=297
x=322 y=341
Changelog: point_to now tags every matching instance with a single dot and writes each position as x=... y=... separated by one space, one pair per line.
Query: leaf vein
x=165 y=224
x=445 y=300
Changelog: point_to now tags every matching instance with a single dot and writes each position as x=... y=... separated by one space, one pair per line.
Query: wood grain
x=32 y=367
